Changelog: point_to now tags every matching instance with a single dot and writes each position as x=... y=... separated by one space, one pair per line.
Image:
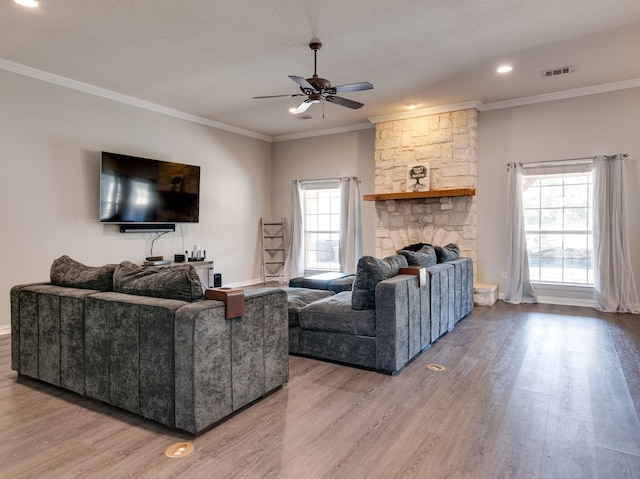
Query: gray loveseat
x=173 y=359
x=388 y=318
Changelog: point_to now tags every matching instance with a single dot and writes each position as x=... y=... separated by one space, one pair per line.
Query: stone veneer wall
x=448 y=143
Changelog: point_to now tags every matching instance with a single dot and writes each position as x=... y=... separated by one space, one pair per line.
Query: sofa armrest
x=47 y=340
x=15 y=323
x=223 y=364
x=402 y=321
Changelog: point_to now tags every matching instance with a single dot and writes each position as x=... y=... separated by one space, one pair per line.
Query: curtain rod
x=355 y=178
x=585 y=159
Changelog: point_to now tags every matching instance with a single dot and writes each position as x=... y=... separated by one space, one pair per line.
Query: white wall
x=605 y=123
x=50 y=143
x=329 y=156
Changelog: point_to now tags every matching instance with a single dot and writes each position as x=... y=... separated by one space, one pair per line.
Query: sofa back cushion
x=369 y=273
x=69 y=273
x=425 y=256
x=175 y=282
x=446 y=253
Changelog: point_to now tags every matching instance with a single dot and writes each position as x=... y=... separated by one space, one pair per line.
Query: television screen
x=141 y=190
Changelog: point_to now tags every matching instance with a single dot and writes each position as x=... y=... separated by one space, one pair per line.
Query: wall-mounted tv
x=142 y=190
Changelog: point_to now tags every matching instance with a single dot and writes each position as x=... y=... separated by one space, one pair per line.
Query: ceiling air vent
x=304 y=117
x=557 y=71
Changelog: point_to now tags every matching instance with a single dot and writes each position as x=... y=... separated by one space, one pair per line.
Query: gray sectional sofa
x=153 y=346
x=387 y=318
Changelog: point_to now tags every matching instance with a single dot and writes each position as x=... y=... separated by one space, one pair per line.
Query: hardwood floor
x=529 y=391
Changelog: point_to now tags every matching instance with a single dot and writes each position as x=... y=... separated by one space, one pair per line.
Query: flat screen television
x=146 y=191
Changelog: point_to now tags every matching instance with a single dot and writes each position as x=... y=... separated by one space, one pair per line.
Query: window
x=558 y=227
x=321 y=212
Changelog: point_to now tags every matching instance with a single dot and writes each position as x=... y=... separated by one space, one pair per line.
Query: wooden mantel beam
x=421 y=194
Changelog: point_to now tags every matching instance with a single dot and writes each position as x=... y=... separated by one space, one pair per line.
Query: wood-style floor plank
x=529 y=391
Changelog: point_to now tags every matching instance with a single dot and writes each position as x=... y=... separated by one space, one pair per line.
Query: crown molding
x=328 y=131
x=428 y=111
x=562 y=95
x=128 y=100
x=528 y=100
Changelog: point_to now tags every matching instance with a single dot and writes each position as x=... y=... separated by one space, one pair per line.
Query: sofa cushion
x=298 y=298
x=71 y=274
x=335 y=315
x=296 y=282
x=176 y=282
x=341 y=284
x=425 y=256
x=414 y=247
x=446 y=253
x=369 y=273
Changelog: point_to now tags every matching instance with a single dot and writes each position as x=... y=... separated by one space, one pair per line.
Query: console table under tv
x=203 y=268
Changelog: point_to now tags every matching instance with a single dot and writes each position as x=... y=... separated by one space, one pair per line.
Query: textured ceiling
x=209 y=58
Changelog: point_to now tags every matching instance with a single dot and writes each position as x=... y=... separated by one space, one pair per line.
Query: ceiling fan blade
x=304 y=84
x=364 y=85
x=344 y=102
x=277 y=96
x=304 y=106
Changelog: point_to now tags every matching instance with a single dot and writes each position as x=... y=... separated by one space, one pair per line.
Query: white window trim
x=550 y=171
x=307 y=185
x=564 y=294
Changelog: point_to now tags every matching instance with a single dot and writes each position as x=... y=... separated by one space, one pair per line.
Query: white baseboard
x=5 y=329
x=582 y=303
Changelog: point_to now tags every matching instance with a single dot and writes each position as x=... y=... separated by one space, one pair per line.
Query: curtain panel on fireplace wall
x=294 y=262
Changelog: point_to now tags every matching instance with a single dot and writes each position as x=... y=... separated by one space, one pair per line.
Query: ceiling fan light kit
x=319 y=89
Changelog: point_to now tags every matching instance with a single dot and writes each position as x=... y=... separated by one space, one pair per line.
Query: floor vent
x=557 y=71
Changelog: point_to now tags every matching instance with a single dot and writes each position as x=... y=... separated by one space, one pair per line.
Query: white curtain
x=350 y=225
x=294 y=263
x=518 y=288
x=614 y=287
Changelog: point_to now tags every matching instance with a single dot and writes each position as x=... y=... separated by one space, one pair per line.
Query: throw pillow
x=175 y=282
x=413 y=247
x=71 y=274
x=425 y=256
x=446 y=253
x=369 y=273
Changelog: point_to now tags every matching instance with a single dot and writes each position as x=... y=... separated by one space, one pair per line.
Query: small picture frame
x=418 y=177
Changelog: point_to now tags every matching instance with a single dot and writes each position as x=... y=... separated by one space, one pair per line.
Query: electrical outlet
x=504 y=275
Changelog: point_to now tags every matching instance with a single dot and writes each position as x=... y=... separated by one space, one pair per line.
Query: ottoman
x=298 y=298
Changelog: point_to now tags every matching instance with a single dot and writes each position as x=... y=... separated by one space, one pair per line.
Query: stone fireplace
x=447 y=143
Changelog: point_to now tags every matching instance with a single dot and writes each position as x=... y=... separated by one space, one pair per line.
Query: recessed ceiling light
x=27 y=3
x=411 y=106
x=504 y=69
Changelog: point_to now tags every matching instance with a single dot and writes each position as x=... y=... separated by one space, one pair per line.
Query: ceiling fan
x=318 y=89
